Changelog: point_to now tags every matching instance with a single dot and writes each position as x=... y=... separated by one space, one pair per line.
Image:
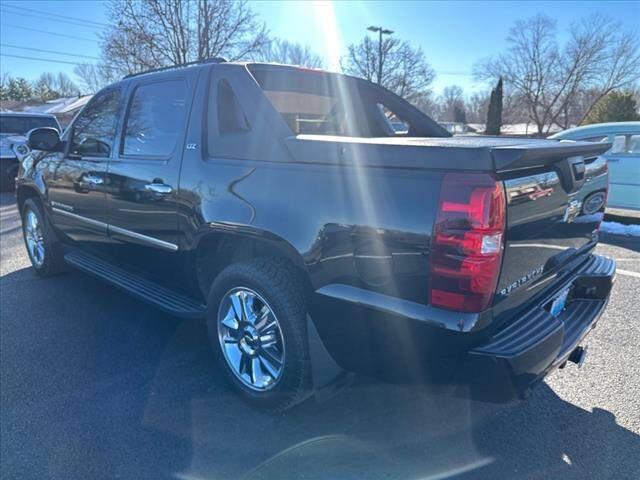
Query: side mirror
x=46 y=139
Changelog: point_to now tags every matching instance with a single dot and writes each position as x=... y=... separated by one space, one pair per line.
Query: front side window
x=94 y=131
x=156 y=119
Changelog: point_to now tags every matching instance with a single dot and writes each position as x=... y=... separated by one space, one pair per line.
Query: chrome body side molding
x=122 y=231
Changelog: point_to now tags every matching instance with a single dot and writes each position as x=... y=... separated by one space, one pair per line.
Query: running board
x=146 y=290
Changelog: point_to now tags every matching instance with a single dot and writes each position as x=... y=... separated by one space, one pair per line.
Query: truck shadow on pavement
x=97 y=385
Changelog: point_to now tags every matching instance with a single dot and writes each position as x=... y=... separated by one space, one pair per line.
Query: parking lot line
x=627 y=272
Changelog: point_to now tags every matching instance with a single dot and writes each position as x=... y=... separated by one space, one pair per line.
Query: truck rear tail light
x=467 y=242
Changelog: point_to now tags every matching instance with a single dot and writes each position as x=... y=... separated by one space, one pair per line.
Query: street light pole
x=381 y=31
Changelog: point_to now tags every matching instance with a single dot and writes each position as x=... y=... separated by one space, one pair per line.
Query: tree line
x=47 y=86
x=536 y=79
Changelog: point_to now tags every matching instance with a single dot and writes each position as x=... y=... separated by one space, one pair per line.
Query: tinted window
x=94 y=130
x=231 y=118
x=156 y=119
x=21 y=125
x=322 y=104
x=393 y=121
x=599 y=138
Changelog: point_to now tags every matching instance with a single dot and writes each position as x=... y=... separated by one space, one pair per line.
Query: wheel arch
x=214 y=250
x=23 y=192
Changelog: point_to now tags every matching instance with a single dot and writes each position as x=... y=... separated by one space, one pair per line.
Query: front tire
x=256 y=319
x=42 y=246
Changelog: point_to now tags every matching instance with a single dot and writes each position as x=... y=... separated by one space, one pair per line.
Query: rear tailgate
x=545 y=186
x=545 y=183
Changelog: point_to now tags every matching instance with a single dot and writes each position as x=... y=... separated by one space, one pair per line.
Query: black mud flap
x=328 y=377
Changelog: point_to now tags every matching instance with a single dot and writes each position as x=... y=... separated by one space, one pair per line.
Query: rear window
x=320 y=103
x=307 y=112
x=21 y=125
x=314 y=103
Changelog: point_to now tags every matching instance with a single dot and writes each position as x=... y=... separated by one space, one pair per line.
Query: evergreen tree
x=19 y=89
x=43 y=91
x=615 y=107
x=494 y=114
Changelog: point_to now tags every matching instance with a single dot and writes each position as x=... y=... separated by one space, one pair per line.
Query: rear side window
x=156 y=119
x=231 y=118
x=393 y=121
x=94 y=131
x=599 y=138
x=619 y=142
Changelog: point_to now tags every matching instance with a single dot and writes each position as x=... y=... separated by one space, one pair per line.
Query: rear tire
x=42 y=245
x=268 y=367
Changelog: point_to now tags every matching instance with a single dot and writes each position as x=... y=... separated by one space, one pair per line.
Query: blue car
x=623 y=160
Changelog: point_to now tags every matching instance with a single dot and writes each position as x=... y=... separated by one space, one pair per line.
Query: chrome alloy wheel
x=34 y=238
x=251 y=339
x=594 y=203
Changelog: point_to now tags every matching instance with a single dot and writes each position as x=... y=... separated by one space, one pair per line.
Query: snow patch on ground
x=615 y=228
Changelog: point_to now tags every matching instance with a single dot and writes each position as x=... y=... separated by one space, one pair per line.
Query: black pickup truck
x=321 y=224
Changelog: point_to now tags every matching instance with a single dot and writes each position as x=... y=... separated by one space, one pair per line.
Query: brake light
x=467 y=242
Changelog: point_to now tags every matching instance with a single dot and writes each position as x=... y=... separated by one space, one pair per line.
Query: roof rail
x=180 y=65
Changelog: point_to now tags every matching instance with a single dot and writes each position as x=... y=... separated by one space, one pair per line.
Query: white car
x=13 y=130
x=623 y=158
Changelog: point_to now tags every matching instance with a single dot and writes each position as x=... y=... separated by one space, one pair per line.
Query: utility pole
x=381 y=31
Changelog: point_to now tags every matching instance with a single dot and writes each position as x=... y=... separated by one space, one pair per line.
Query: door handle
x=159 y=188
x=610 y=160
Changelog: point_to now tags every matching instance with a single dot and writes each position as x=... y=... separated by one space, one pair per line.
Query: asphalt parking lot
x=94 y=384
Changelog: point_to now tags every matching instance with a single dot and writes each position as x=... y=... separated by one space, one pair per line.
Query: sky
x=453 y=35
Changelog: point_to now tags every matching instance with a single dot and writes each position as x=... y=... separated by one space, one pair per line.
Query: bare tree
x=65 y=86
x=404 y=68
x=146 y=34
x=94 y=77
x=49 y=86
x=228 y=28
x=44 y=88
x=477 y=104
x=548 y=80
x=452 y=104
x=283 y=51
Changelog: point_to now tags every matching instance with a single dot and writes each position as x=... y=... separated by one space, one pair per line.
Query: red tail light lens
x=467 y=243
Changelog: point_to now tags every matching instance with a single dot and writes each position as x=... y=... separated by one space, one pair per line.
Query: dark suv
x=321 y=224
